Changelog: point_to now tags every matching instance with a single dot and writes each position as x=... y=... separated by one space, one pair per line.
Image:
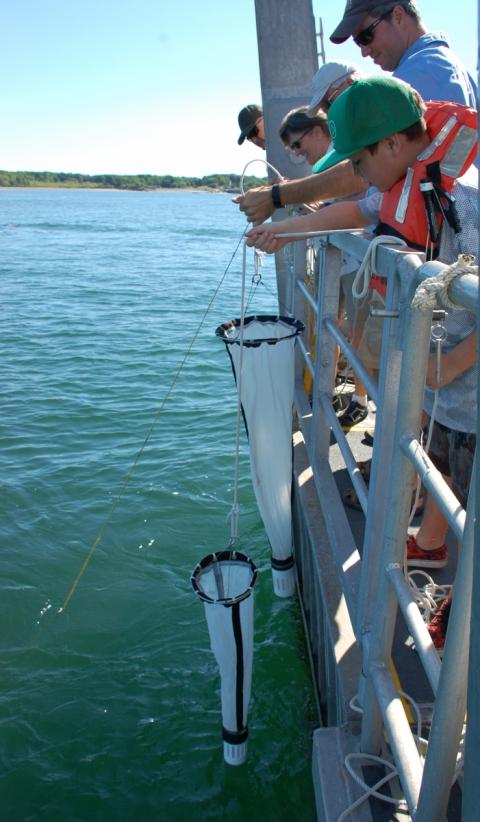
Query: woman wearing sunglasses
x=305 y=135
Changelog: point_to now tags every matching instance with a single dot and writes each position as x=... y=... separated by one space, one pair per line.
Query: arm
x=337 y=215
x=339 y=181
x=454 y=362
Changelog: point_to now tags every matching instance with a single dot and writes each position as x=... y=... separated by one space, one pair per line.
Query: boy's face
x=381 y=169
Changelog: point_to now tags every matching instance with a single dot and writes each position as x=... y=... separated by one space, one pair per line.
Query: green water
x=110 y=710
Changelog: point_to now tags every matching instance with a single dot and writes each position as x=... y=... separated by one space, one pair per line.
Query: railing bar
x=349 y=459
x=308 y=296
x=301 y=403
x=307 y=356
x=407 y=758
x=423 y=643
x=451 y=698
x=435 y=484
x=354 y=360
x=305 y=235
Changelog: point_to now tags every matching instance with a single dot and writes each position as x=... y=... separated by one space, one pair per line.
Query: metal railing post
x=330 y=261
x=388 y=392
x=451 y=697
x=399 y=492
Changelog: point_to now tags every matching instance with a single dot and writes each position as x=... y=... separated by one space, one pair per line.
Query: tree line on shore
x=132 y=182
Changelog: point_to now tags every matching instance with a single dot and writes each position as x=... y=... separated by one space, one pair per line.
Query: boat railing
x=371 y=576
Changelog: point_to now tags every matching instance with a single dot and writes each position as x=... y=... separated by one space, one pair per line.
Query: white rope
x=234 y=514
x=428 y=595
x=422 y=746
x=373 y=790
x=259 y=255
x=434 y=290
x=258 y=160
x=361 y=283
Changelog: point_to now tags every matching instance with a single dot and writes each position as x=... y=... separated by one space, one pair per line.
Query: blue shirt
x=431 y=67
x=457 y=401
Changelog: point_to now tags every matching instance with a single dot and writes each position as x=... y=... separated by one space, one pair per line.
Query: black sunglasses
x=253 y=133
x=298 y=143
x=366 y=35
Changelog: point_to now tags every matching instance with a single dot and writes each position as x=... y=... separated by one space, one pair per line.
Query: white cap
x=325 y=76
x=235 y=754
x=284 y=582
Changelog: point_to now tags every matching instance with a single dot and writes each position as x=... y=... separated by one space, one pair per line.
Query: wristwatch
x=276 y=196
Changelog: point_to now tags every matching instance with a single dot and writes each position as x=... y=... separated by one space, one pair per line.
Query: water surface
x=111 y=709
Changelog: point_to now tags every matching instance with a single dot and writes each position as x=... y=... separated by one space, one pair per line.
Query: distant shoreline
x=187 y=190
x=212 y=183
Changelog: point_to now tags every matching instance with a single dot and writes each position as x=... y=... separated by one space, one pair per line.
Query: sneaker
x=437 y=627
x=338 y=403
x=420 y=558
x=344 y=379
x=355 y=413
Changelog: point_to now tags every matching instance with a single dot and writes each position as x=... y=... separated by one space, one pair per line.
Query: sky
x=151 y=86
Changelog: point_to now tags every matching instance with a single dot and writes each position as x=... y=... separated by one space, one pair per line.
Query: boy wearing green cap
x=383 y=126
x=414 y=153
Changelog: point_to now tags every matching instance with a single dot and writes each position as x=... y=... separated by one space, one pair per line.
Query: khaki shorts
x=370 y=346
x=353 y=312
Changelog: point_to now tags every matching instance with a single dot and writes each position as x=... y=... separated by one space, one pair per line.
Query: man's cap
x=355 y=11
x=247 y=118
x=368 y=111
x=325 y=76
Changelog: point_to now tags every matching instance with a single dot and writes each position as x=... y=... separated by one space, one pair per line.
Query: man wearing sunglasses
x=397 y=41
x=250 y=121
x=394 y=36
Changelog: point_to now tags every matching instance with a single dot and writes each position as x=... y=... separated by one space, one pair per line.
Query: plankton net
x=224 y=581
x=261 y=351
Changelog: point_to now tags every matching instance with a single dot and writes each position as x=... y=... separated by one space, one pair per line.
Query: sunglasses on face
x=297 y=144
x=253 y=133
x=366 y=35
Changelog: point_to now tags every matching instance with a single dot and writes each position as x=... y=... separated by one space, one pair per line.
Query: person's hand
x=257 y=204
x=263 y=238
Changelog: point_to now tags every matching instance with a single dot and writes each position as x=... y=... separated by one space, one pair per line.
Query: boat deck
x=333 y=783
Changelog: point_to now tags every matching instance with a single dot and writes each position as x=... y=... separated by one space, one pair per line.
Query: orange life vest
x=414 y=208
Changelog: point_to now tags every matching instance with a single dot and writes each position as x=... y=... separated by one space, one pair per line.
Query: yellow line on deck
x=398 y=685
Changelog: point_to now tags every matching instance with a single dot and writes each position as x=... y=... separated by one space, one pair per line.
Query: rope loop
x=361 y=283
x=258 y=160
x=434 y=290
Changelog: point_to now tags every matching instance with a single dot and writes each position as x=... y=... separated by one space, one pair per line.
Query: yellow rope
x=129 y=474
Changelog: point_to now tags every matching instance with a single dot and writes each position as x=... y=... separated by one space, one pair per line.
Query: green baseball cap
x=369 y=110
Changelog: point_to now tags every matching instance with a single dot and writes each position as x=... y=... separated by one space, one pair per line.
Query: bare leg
x=433 y=530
